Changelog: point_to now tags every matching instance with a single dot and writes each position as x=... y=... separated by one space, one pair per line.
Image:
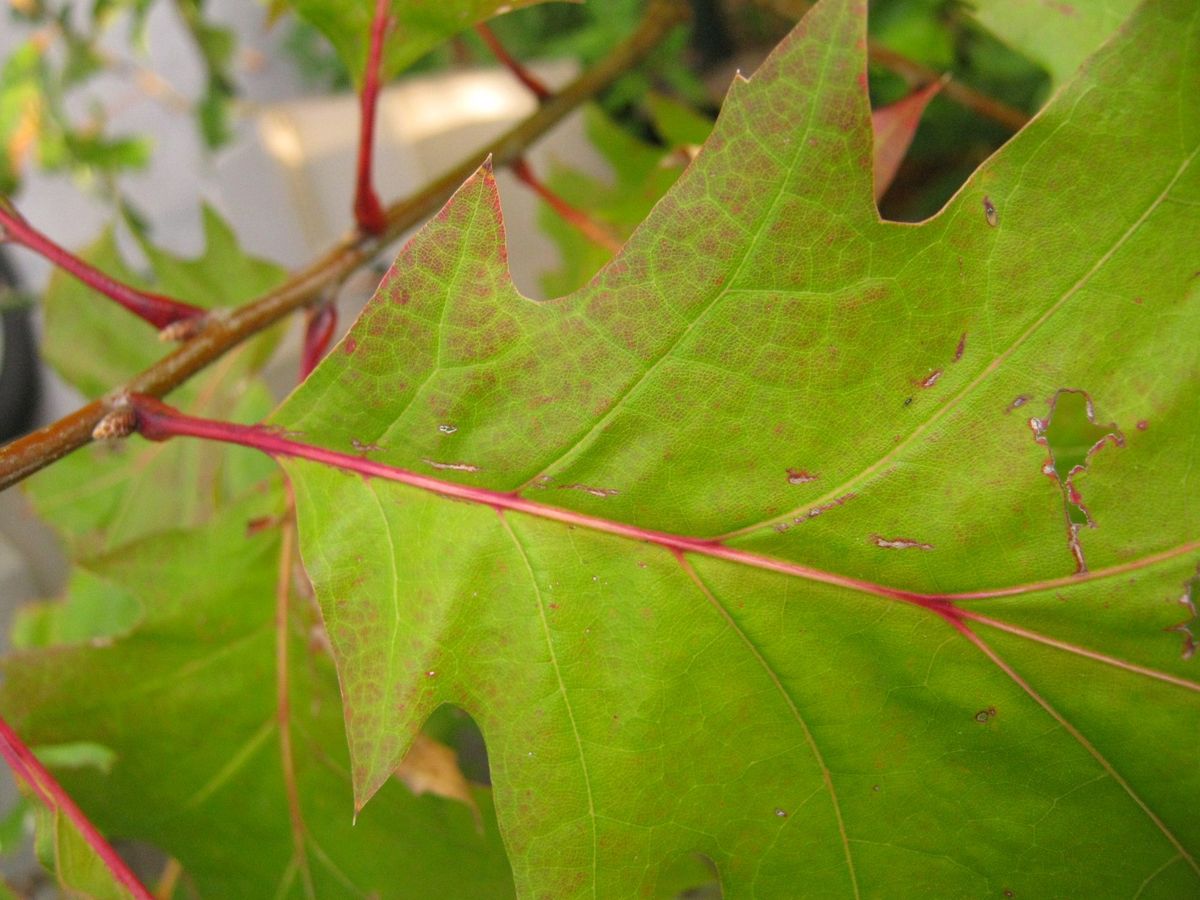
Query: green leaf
x=1058 y=36
x=94 y=344
x=92 y=610
x=105 y=496
x=64 y=851
x=417 y=27
x=187 y=705
x=81 y=754
x=764 y=563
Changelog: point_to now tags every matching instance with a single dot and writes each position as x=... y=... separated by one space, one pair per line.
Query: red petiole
x=160 y=311
x=368 y=211
x=30 y=770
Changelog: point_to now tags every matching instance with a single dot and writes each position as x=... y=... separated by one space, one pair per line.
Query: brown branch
x=27 y=455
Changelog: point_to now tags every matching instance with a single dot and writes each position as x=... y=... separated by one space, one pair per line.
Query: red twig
x=319 y=325
x=157 y=309
x=368 y=211
x=27 y=768
x=577 y=218
x=523 y=75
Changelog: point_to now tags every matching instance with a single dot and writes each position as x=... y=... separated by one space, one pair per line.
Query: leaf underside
x=941 y=674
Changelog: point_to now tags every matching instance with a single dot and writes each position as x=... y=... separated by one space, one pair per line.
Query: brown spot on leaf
x=1187 y=600
x=260 y=524
x=931 y=379
x=824 y=508
x=452 y=466
x=899 y=543
x=961 y=348
x=588 y=489
x=989 y=212
x=800 y=476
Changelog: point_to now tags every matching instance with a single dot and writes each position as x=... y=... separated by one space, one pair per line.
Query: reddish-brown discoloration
x=899 y=543
x=1017 y=403
x=989 y=212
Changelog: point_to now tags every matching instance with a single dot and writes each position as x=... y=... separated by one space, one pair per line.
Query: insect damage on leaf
x=1185 y=628
x=1072 y=435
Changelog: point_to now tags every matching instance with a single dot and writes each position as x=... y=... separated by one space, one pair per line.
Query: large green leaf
x=187 y=703
x=873 y=669
x=417 y=26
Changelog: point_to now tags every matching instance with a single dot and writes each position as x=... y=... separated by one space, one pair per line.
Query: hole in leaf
x=692 y=876
x=456 y=729
x=1186 y=628
x=1072 y=435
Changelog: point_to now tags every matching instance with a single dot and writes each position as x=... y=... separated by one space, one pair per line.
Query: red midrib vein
x=156 y=421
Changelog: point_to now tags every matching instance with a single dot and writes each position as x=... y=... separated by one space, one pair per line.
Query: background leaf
x=642 y=173
x=872 y=665
x=418 y=27
x=1058 y=36
x=186 y=702
x=107 y=495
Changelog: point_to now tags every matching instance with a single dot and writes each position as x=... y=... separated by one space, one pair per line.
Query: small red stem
x=513 y=65
x=319 y=325
x=157 y=309
x=573 y=216
x=368 y=211
x=29 y=769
